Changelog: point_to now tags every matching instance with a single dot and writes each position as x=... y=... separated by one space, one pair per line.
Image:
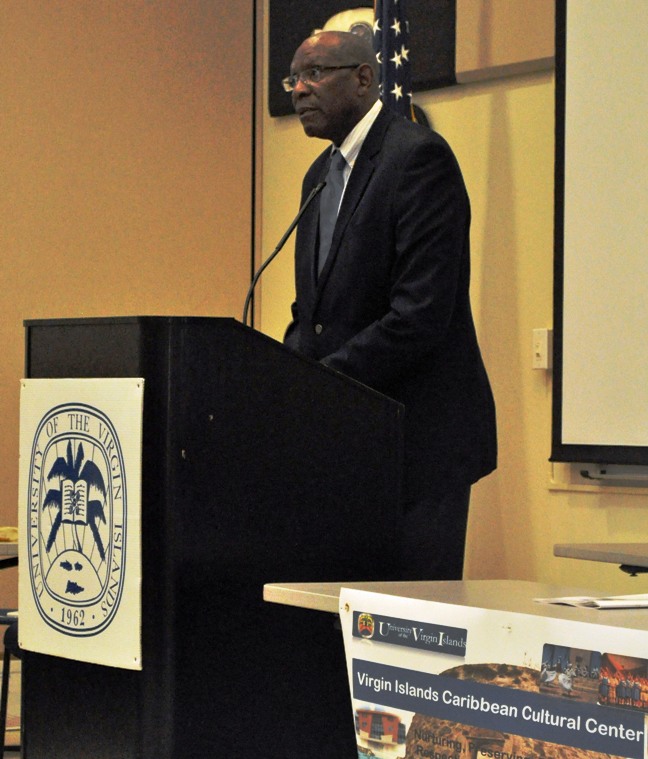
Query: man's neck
x=350 y=146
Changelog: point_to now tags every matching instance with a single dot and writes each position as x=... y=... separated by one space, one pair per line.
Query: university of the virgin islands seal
x=76 y=532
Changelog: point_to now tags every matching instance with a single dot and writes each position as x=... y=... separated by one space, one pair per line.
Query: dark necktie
x=329 y=206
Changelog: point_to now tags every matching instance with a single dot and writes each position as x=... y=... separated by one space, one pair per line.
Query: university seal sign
x=77 y=519
x=80 y=519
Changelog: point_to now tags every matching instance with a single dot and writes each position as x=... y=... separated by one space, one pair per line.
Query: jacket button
x=318 y=329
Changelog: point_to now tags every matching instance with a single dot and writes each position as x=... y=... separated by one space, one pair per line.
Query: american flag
x=391 y=43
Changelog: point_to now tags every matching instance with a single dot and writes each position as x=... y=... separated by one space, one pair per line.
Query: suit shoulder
x=408 y=147
x=409 y=134
x=406 y=144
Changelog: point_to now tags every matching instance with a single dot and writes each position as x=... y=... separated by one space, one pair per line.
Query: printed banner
x=79 y=519
x=440 y=681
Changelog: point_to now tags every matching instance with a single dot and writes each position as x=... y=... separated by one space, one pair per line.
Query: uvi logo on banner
x=77 y=520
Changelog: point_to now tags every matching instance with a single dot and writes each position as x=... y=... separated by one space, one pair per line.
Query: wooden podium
x=258 y=465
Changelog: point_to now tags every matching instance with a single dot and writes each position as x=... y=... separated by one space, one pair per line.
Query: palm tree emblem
x=76 y=479
x=77 y=507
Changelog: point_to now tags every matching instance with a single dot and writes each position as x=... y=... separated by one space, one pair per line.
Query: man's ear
x=365 y=76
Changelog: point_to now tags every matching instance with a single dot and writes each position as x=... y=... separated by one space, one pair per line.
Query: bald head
x=349 y=46
x=331 y=102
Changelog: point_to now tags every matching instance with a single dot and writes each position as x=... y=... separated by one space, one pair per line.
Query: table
x=8 y=554
x=631 y=557
x=497 y=595
x=479 y=665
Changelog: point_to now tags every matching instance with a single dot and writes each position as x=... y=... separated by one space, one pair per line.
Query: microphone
x=315 y=191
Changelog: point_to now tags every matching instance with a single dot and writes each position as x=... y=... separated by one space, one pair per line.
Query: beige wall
x=503 y=37
x=125 y=172
x=502 y=131
x=125 y=188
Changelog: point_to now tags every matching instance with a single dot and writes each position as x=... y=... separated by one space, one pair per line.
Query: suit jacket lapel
x=308 y=234
x=362 y=171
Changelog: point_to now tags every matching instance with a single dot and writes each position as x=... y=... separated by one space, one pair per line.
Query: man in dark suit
x=389 y=304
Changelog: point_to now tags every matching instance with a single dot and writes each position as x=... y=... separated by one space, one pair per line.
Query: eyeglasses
x=312 y=75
